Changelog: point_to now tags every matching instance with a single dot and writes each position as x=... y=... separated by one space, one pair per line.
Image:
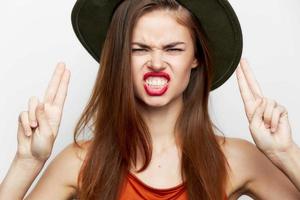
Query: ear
x=195 y=63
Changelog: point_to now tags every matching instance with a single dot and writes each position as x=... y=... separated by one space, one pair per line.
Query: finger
x=54 y=83
x=256 y=103
x=283 y=118
x=32 y=104
x=275 y=117
x=257 y=120
x=44 y=127
x=251 y=81
x=283 y=115
x=245 y=91
x=62 y=90
x=24 y=121
x=271 y=104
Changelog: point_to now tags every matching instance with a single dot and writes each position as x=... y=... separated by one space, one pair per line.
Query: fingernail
x=27 y=133
x=41 y=106
x=33 y=123
x=267 y=126
x=260 y=101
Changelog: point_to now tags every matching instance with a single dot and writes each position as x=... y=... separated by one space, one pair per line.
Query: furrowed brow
x=171 y=45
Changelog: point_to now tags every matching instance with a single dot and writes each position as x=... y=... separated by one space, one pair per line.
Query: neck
x=161 y=123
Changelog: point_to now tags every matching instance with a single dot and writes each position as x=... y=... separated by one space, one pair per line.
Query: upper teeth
x=156 y=81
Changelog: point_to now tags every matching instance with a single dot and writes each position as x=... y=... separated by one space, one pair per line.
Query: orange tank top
x=135 y=189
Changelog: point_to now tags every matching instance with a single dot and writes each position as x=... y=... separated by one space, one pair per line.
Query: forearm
x=290 y=164
x=19 y=178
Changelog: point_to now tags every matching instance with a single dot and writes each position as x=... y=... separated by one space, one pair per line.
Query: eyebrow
x=173 y=44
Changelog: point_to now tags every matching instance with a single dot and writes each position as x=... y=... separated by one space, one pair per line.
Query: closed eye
x=167 y=50
x=138 y=49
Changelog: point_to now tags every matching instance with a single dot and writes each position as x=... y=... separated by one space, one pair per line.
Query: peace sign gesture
x=39 y=125
x=268 y=120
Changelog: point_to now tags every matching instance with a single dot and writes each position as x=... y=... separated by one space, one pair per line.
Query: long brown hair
x=118 y=130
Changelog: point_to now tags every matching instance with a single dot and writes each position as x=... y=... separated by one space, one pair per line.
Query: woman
x=152 y=135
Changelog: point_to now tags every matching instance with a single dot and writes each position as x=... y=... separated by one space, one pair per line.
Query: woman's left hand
x=268 y=120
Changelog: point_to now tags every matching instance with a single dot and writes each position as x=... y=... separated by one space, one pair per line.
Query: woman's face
x=164 y=47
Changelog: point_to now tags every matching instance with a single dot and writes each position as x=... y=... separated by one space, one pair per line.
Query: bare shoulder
x=253 y=174
x=71 y=159
x=239 y=154
x=59 y=180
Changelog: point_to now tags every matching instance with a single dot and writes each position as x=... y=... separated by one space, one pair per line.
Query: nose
x=156 y=61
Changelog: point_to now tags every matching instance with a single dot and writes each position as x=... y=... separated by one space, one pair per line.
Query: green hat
x=91 y=19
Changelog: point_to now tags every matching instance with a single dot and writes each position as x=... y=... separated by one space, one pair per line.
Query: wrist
x=289 y=157
x=293 y=153
x=32 y=163
x=19 y=177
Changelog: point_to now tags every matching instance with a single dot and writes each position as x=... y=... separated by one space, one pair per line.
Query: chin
x=153 y=101
x=156 y=101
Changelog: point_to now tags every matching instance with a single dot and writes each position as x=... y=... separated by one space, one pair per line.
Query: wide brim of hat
x=91 y=19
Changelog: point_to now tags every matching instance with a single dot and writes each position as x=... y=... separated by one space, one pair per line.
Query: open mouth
x=156 y=86
x=156 y=83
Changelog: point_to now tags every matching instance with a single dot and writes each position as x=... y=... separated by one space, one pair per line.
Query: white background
x=35 y=35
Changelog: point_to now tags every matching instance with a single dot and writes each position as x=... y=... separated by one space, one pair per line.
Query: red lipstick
x=156 y=91
x=157 y=74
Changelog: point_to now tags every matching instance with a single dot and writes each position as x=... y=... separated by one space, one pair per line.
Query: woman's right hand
x=39 y=125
